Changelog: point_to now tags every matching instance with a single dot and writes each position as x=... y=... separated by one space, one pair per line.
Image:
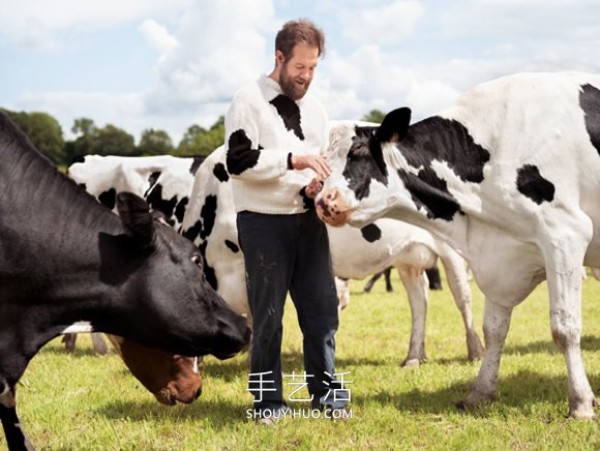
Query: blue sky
x=168 y=64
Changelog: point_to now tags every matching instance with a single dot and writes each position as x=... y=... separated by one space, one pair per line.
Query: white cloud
x=382 y=24
x=158 y=37
x=37 y=24
x=221 y=48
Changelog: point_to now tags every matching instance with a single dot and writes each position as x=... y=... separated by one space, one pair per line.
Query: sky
x=170 y=64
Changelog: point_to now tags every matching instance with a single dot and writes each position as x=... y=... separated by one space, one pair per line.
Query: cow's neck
x=438 y=165
x=62 y=260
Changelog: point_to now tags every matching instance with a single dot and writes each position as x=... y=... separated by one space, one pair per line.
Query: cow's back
x=543 y=135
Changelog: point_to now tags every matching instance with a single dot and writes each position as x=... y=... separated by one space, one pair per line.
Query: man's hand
x=313 y=188
x=315 y=162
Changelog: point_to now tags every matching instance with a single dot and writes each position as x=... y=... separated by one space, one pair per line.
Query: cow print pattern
x=531 y=184
x=220 y=172
x=108 y=198
x=589 y=100
x=241 y=156
x=290 y=114
x=371 y=233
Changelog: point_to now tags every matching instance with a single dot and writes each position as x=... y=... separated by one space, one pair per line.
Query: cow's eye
x=197 y=259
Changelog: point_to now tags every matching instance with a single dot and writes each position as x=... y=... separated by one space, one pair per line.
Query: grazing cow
x=509 y=177
x=165 y=182
x=65 y=259
x=210 y=223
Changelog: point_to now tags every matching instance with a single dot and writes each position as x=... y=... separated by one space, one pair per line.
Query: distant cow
x=65 y=259
x=163 y=180
x=210 y=223
x=510 y=176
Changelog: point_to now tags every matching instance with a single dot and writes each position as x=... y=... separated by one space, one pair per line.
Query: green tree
x=155 y=142
x=374 y=116
x=81 y=146
x=43 y=131
x=197 y=141
x=112 y=140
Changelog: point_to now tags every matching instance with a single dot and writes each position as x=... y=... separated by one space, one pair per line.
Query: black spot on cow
x=240 y=155
x=371 y=233
x=430 y=192
x=196 y=164
x=589 y=100
x=363 y=165
x=531 y=184
x=232 y=246
x=208 y=214
x=156 y=201
x=220 y=172
x=180 y=209
x=108 y=198
x=193 y=232
x=446 y=141
x=152 y=179
x=209 y=271
x=290 y=114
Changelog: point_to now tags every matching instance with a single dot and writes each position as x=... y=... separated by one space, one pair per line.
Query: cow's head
x=176 y=309
x=358 y=189
x=170 y=378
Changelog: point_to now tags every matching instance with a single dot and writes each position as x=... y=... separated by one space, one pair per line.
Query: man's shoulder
x=248 y=90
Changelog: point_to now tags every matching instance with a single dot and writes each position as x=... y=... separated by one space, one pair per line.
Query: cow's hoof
x=583 y=410
x=413 y=363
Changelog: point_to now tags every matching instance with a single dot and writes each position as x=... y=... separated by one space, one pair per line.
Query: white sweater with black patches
x=262 y=127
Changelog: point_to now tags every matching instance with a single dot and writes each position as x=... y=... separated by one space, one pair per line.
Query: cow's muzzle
x=331 y=209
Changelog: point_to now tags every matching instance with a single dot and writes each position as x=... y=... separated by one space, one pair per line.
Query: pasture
x=82 y=401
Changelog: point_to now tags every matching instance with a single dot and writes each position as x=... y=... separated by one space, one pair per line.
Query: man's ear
x=137 y=219
x=279 y=57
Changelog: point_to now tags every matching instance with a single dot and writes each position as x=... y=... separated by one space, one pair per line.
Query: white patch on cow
x=78 y=328
x=195 y=366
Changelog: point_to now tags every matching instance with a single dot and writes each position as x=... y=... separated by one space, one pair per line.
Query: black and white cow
x=66 y=259
x=509 y=176
x=164 y=181
x=210 y=222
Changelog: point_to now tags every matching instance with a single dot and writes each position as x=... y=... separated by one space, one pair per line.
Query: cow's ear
x=136 y=217
x=394 y=126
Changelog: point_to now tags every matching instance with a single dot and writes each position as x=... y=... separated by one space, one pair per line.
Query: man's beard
x=290 y=88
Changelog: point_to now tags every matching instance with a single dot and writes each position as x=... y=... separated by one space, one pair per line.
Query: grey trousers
x=281 y=253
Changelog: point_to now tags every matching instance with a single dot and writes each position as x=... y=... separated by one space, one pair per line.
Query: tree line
x=46 y=134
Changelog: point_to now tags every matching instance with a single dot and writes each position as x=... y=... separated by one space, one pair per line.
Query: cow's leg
x=564 y=286
x=99 y=344
x=13 y=431
x=69 y=340
x=388 y=279
x=456 y=275
x=415 y=283
x=369 y=285
x=496 y=321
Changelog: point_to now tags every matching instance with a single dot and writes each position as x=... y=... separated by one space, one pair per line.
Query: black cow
x=66 y=259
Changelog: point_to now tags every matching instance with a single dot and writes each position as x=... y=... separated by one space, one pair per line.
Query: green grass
x=83 y=401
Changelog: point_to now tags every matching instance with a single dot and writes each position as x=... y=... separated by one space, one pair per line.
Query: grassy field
x=82 y=401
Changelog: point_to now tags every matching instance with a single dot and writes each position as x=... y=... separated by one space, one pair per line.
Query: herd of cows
x=507 y=177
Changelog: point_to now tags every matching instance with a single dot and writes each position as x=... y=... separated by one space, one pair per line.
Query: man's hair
x=296 y=31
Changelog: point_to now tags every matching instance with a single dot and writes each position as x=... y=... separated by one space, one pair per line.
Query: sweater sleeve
x=246 y=159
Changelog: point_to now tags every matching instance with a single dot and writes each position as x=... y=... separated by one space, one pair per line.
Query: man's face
x=297 y=72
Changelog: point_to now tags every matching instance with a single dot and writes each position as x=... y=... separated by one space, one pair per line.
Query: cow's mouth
x=331 y=212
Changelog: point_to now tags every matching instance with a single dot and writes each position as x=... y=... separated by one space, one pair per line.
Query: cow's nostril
x=198 y=393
